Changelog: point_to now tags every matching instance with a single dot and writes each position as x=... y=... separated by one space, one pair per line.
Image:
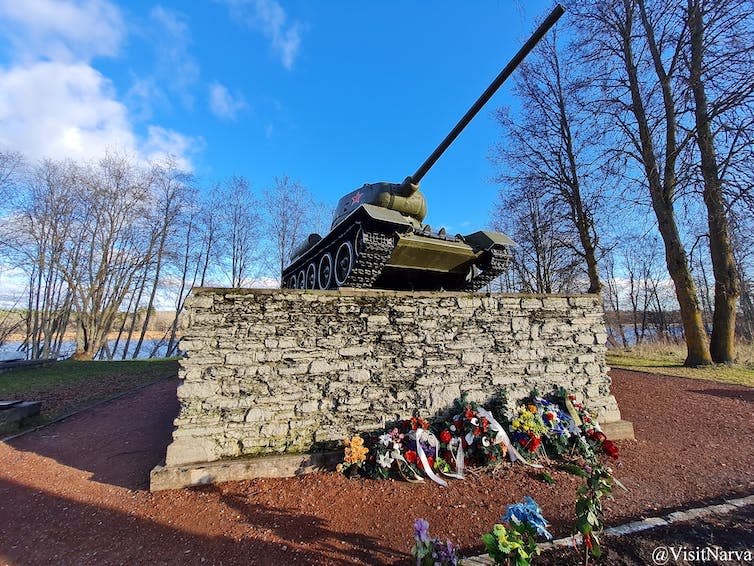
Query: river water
x=10 y=350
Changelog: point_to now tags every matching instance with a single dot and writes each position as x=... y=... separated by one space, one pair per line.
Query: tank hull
x=380 y=248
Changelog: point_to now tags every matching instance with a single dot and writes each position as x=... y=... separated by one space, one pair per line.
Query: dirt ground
x=75 y=492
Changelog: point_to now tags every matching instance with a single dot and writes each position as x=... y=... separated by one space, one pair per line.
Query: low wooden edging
x=283 y=466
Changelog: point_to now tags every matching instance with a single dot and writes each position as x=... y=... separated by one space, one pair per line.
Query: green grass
x=71 y=373
x=668 y=360
x=67 y=386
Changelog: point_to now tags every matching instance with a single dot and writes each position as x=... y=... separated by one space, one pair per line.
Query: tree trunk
x=662 y=190
x=722 y=343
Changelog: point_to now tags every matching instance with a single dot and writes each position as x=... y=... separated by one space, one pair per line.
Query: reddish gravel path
x=74 y=493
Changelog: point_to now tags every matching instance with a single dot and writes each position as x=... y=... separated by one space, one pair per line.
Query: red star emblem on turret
x=356 y=199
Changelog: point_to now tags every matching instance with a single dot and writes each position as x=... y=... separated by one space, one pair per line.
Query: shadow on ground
x=118 y=442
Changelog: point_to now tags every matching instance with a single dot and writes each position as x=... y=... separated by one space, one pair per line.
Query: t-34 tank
x=377 y=239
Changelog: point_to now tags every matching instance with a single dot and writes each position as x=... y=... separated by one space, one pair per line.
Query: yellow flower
x=355 y=451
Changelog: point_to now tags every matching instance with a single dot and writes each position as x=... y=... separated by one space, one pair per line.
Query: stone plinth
x=288 y=371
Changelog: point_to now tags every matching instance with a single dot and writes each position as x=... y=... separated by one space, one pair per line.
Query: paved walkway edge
x=86 y=408
x=636 y=526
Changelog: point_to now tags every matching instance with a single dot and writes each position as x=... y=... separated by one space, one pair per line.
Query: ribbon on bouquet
x=429 y=438
x=502 y=437
x=457 y=446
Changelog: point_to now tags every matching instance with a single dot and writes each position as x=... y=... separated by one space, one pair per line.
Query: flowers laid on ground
x=528 y=429
x=472 y=430
x=586 y=420
x=514 y=540
x=355 y=454
x=431 y=551
x=540 y=428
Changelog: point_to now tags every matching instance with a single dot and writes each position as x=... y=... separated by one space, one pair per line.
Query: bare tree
x=554 y=143
x=112 y=200
x=649 y=118
x=719 y=58
x=543 y=261
x=288 y=208
x=169 y=191
x=240 y=230
x=36 y=233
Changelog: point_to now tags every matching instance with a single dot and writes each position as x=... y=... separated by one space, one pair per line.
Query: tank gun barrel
x=486 y=95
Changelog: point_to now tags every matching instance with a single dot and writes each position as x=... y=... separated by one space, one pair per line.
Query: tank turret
x=377 y=238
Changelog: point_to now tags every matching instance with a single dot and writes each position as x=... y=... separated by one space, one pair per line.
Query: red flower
x=469 y=414
x=445 y=436
x=431 y=462
x=549 y=416
x=411 y=457
x=523 y=442
x=610 y=449
x=477 y=431
x=485 y=424
x=599 y=436
x=533 y=444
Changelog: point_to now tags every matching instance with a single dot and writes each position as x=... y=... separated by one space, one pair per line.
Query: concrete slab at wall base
x=287 y=465
x=619 y=430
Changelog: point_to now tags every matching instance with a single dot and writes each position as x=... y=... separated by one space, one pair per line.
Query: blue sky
x=332 y=93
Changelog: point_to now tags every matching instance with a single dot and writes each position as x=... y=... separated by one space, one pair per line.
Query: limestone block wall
x=276 y=371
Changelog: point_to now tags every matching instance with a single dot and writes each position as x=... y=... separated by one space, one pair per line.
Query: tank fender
x=484 y=240
x=305 y=245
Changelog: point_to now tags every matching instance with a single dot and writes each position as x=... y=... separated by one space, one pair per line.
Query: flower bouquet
x=528 y=429
x=471 y=437
x=355 y=456
x=514 y=540
x=431 y=551
x=592 y=436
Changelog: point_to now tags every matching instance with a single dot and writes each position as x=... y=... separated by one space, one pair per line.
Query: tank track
x=373 y=250
x=494 y=266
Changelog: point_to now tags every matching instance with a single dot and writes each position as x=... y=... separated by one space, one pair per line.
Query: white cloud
x=63 y=110
x=223 y=104
x=269 y=18
x=162 y=143
x=61 y=30
x=54 y=103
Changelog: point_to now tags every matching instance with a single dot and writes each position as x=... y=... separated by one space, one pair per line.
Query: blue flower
x=421 y=531
x=527 y=513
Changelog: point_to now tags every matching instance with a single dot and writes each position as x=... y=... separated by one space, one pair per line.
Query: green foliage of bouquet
x=514 y=541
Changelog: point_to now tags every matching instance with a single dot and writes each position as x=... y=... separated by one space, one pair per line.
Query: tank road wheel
x=343 y=263
x=311 y=276
x=301 y=281
x=324 y=274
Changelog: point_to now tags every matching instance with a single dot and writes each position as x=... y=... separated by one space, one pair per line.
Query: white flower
x=386 y=439
x=474 y=421
x=485 y=441
x=385 y=460
x=396 y=446
x=452 y=428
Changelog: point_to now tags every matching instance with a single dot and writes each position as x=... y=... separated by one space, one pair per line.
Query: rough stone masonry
x=292 y=371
